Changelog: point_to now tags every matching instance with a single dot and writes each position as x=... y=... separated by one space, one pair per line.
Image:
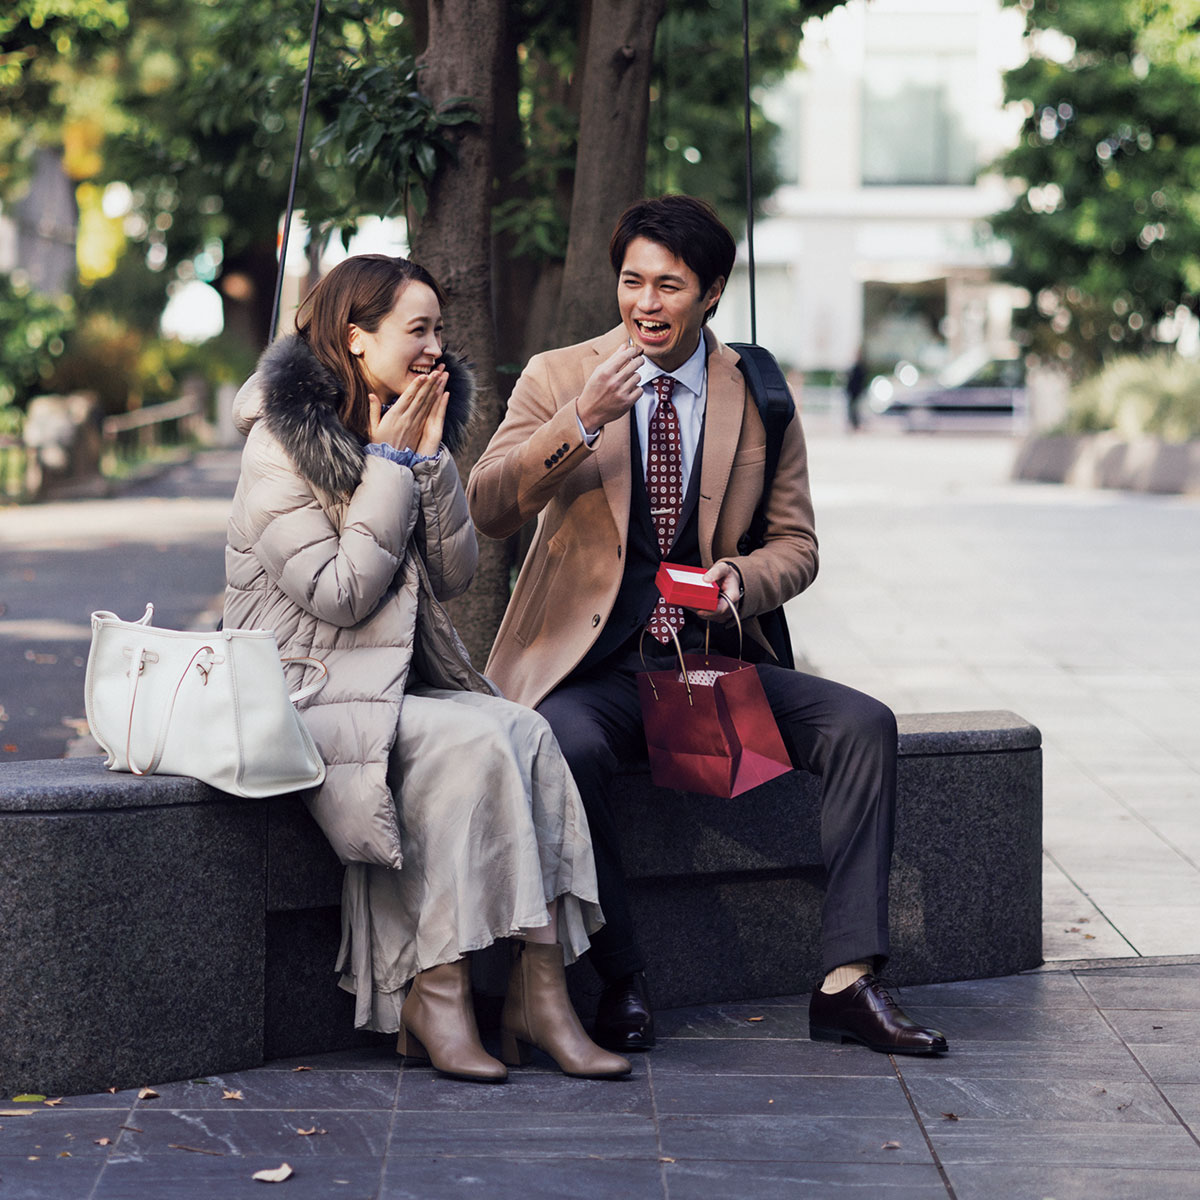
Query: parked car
x=974 y=388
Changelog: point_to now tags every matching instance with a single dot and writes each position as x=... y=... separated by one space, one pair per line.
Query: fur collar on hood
x=300 y=402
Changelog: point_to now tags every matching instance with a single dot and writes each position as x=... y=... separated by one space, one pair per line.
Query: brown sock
x=842 y=977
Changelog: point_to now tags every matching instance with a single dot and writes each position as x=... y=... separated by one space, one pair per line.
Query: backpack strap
x=766 y=383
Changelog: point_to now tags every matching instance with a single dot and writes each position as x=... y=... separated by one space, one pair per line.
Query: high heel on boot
x=437 y=1022
x=538 y=1012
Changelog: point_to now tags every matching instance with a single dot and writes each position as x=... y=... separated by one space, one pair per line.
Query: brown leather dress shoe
x=864 y=1012
x=624 y=1019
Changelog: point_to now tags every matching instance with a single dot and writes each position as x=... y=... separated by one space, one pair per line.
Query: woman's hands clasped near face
x=415 y=421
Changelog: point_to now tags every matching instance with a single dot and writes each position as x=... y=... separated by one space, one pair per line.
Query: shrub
x=1138 y=395
x=33 y=329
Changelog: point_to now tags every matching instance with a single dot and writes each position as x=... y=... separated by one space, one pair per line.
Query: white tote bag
x=214 y=706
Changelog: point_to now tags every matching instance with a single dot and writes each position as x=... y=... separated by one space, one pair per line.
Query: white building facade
x=876 y=243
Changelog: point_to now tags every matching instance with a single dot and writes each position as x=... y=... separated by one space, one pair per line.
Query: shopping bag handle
x=687 y=683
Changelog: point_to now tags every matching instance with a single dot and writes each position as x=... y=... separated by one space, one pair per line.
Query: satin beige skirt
x=492 y=833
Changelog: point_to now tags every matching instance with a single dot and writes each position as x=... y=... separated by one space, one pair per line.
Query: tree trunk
x=453 y=240
x=610 y=166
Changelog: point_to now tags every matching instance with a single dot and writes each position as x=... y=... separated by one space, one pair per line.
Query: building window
x=915 y=108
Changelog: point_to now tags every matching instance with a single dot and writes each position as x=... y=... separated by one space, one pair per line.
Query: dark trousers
x=845 y=737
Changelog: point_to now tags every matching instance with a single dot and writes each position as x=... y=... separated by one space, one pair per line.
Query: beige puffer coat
x=346 y=557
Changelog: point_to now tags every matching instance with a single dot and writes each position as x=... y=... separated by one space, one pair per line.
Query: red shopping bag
x=709 y=728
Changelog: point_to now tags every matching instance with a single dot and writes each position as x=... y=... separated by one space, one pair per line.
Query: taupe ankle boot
x=437 y=1022
x=537 y=1012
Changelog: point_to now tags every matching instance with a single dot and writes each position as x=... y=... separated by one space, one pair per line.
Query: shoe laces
x=883 y=989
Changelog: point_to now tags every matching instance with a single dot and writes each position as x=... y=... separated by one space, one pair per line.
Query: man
x=643 y=445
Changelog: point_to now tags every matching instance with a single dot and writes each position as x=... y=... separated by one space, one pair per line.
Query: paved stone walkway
x=944 y=586
x=1067 y=1084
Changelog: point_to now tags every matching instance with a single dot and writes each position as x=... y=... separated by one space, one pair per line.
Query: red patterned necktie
x=664 y=485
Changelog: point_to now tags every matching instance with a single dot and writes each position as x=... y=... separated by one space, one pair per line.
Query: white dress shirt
x=689 y=397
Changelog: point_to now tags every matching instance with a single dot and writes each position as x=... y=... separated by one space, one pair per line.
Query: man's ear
x=716 y=288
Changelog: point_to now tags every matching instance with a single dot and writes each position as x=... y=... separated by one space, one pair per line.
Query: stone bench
x=154 y=929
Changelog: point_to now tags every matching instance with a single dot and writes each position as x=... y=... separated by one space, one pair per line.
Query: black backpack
x=766 y=384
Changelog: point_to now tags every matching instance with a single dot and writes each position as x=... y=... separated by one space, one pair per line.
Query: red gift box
x=686 y=586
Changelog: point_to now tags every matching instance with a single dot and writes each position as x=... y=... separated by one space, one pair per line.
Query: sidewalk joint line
x=912 y=1104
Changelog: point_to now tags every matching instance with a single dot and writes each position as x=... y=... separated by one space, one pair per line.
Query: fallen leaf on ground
x=131 y=1128
x=9 y=748
x=302 y=1068
x=147 y=1094
x=195 y=1150
x=65 y=1154
x=754 y=1018
x=278 y=1175
x=232 y=1095
x=28 y=1098
x=103 y=1141
x=890 y=1146
x=950 y=1116
x=310 y=1132
x=16 y=1112
x=52 y=1103
x=111 y=1091
x=666 y=1160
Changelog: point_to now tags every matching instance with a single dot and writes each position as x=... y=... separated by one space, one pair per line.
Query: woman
x=452 y=808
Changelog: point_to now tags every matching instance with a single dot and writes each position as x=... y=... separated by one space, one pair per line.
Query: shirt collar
x=690 y=374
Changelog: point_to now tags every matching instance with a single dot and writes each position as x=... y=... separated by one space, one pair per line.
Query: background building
x=877 y=240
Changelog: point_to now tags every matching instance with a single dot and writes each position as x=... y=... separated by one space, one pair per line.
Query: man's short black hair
x=687 y=227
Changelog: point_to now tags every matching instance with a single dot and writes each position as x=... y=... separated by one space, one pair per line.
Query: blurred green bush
x=33 y=333
x=1138 y=395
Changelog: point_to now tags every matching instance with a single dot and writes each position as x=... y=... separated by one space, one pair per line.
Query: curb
x=1107 y=460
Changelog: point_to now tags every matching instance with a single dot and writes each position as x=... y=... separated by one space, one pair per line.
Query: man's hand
x=730 y=582
x=612 y=390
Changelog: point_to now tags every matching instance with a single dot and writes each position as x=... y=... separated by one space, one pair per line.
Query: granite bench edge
x=74 y=785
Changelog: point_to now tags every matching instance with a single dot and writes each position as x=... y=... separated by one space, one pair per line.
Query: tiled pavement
x=1069 y=1083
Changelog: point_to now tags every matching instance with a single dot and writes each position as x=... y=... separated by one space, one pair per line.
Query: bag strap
x=766 y=383
x=309 y=689
x=687 y=683
x=202 y=660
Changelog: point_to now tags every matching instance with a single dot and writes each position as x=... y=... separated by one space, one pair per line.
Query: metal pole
x=749 y=165
x=291 y=200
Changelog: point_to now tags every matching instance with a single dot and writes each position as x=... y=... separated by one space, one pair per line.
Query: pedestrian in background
x=856 y=385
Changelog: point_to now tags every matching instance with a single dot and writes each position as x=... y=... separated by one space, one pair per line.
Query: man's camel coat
x=538 y=465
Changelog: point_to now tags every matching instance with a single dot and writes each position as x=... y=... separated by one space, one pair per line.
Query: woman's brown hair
x=360 y=291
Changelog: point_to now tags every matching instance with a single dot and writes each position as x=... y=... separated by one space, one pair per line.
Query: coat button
x=564 y=448
x=595 y=620
x=549 y=463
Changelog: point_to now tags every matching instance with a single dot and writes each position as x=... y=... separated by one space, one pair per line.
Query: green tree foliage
x=52 y=77
x=697 y=142
x=1105 y=230
x=32 y=331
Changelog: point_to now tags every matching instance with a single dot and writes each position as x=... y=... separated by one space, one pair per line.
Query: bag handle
x=687 y=683
x=309 y=689
x=202 y=660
